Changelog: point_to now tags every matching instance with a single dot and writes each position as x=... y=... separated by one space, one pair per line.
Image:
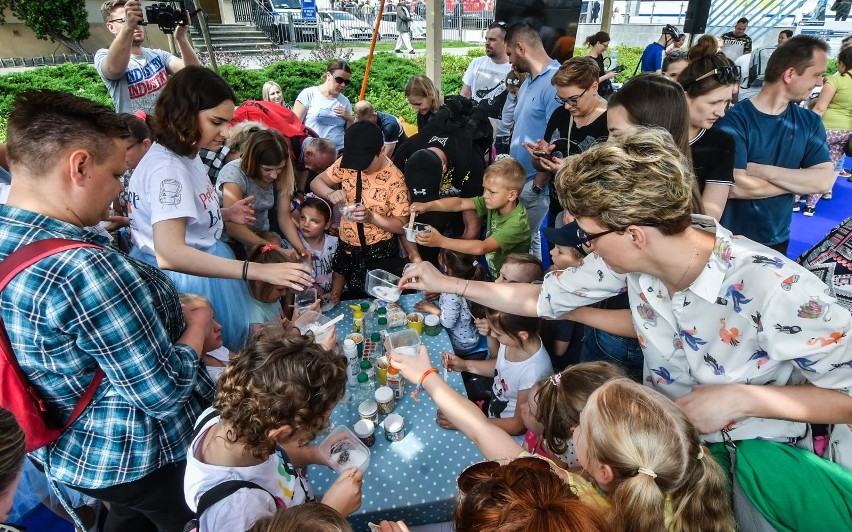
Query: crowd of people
x=672 y=370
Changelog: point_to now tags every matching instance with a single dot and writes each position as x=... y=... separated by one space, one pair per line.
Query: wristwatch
x=537 y=189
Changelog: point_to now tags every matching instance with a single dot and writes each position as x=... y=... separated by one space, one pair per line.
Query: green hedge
x=388 y=76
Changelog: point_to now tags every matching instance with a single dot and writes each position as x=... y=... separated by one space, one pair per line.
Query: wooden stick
x=411 y=220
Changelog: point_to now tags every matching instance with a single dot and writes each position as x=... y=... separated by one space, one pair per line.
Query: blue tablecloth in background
x=414 y=479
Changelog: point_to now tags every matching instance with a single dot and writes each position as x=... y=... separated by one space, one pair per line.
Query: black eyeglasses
x=585 y=239
x=342 y=81
x=724 y=75
x=117 y=20
x=573 y=100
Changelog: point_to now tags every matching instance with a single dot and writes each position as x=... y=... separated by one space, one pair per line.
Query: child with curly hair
x=273 y=398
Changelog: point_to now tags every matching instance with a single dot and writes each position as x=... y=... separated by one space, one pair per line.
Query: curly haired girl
x=272 y=399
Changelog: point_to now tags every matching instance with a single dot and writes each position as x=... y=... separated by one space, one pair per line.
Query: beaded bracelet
x=420 y=384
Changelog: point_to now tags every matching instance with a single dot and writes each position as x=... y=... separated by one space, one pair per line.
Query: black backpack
x=220 y=491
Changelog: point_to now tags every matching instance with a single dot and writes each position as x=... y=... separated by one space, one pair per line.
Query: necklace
x=688 y=266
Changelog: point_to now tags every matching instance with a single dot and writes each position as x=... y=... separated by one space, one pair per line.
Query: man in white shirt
x=133 y=75
x=485 y=77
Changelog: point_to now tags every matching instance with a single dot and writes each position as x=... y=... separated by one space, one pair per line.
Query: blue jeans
x=618 y=350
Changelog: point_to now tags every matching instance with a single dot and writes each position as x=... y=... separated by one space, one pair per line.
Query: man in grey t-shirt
x=133 y=75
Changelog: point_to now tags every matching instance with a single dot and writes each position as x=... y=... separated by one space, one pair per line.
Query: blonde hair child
x=215 y=355
x=650 y=470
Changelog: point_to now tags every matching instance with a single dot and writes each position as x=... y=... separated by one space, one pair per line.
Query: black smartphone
x=540 y=153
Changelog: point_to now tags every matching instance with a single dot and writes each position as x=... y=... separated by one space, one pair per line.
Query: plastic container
x=346 y=210
x=350 y=351
x=419 y=228
x=369 y=370
x=385 y=400
x=305 y=299
x=342 y=449
x=369 y=409
x=415 y=321
x=396 y=382
x=365 y=388
x=405 y=342
x=378 y=346
x=432 y=325
x=383 y=285
x=312 y=320
x=358 y=339
x=366 y=432
x=357 y=319
x=382 y=370
x=394 y=428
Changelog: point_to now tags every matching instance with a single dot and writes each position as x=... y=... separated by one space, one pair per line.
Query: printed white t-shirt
x=166 y=186
x=320 y=114
x=513 y=377
x=240 y=510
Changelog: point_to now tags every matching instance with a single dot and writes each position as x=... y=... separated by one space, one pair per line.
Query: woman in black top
x=709 y=81
x=599 y=42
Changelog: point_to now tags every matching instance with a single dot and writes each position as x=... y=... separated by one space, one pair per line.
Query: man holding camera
x=133 y=75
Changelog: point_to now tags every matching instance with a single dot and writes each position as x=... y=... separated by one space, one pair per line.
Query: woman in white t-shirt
x=324 y=108
x=174 y=212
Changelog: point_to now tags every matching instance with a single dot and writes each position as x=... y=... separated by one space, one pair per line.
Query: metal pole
x=202 y=20
x=372 y=50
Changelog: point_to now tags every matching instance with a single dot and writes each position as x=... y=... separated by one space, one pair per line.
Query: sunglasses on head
x=474 y=473
x=724 y=75
x=342 y=81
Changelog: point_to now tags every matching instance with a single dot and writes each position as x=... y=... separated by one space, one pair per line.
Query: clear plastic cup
x=347 y=210
x=412 y=232
x=383 y=285
x=342 y=450
x=405 y=342
x=305 y=299
x=312 y=320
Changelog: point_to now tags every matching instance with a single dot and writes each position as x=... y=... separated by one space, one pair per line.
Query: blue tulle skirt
x=230 y=297
x=34 y=490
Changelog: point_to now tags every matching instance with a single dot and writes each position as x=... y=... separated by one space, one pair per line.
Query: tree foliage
x=62 y=21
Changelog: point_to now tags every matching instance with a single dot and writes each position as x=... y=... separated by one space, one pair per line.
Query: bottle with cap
x=378 y=346
x=365 y=389
x=357 y=319
x=370 y=370
x=395 y=382
x=350 y=351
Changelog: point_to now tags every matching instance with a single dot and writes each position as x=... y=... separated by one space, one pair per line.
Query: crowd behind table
x=673 y=369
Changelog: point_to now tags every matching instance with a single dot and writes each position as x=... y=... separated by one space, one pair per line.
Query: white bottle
x=350 y=351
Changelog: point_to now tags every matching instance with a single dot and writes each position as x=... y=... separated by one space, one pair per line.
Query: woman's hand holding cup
x=412 y=368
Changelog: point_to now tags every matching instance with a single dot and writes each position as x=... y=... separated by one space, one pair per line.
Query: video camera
x=167 y=16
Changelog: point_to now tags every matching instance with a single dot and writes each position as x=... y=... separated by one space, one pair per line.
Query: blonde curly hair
x=642 y=179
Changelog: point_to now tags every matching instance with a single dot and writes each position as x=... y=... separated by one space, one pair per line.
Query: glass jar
x=432 y=325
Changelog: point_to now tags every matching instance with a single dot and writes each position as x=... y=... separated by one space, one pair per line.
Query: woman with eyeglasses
x=709 y=81
x=599 y=43
x=324 y=108
x=743 y=340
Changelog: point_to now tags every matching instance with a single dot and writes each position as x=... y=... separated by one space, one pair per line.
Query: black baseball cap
x=567 y=235
x=362 y=142
x=423 y=175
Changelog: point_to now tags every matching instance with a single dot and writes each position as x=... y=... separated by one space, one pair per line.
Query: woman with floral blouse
x=744 y=340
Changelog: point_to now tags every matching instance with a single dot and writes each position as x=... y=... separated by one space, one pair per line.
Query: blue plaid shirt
x=80 y=309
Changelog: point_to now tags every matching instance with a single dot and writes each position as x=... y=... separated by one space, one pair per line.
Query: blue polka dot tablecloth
x=413 y=479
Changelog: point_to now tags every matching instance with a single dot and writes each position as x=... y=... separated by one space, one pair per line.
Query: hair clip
x=555 y=379
x=269 y=247
x=475 y=264
x=312 y=195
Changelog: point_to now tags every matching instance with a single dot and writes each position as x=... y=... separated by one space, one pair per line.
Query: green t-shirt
x=838 y=116
x=512 y=232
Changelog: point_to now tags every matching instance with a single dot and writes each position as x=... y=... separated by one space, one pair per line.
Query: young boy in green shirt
x=507 y=223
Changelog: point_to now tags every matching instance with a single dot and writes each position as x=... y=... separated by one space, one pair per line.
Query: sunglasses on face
x=342 y=81
x=117 y=21
x=572 y=100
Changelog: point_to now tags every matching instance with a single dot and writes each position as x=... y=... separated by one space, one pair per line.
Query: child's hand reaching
x=418 y=208
x=330 y=341
x=443 y=422
x=427 y=307
x=482 y=326
x=345 y=494
x=412 y=368
x=452 y=362
x=430 y=238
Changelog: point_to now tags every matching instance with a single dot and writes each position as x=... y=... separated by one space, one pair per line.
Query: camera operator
x=133 y=75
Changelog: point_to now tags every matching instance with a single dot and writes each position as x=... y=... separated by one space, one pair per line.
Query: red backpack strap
x=15 y=263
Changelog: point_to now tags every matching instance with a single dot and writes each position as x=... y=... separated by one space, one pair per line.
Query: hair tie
x=700 y=452
x=555 y=379
x=647 y=471
x=269 y=247
x=475 y=264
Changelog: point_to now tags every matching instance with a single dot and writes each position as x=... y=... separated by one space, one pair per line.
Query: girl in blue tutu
x=175 y=216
